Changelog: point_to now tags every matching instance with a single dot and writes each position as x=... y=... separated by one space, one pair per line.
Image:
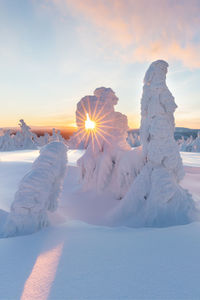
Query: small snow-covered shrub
x=38 y=191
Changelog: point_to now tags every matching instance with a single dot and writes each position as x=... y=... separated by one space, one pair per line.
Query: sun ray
x=103 y=137
x=100 y=111
x=103 y=116
x=93 y=124
x=94 y=112
x=78 y=143
x=89 y=108
x=79 y=132
x=105 y=121
x=83 y=107
x=100 y=148
x=92 y=140
x=87 y=138
x=103 y=131
x=106 y=126
x=81 y=116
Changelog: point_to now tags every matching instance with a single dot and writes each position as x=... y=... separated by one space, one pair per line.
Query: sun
x=94 y=125
x=89 y=124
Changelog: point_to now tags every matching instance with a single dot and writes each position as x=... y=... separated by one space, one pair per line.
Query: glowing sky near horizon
x=54 y=52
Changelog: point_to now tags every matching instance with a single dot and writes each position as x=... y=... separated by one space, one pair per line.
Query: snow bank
x=155 y=197
x=38 y=191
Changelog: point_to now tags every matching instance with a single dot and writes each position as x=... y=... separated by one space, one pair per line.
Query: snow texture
x=38 y=191
x=101 y=166
x=155 y=197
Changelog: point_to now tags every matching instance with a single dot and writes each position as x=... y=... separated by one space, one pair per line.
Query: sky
x=54 y=52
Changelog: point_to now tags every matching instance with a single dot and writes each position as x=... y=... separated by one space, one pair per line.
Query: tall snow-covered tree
x=155 y=197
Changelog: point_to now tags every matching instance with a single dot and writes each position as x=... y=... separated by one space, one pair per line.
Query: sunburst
x=94 y=125
x=89 y=124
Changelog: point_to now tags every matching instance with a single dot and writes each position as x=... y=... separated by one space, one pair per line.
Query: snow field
x=85 y=261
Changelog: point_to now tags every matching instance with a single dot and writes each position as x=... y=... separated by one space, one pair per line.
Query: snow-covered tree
x=56 y=136
x=133 y=139
x=196 y=143
x=27 y=141
x=155 y=197
x=43 y=140
x=7 y=142
x=105 y=141
x=38 y=191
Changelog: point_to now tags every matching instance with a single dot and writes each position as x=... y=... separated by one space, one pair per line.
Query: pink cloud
x=143 y=30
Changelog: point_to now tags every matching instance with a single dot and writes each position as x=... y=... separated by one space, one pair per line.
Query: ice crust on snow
x=155 y=197
x=38 y=191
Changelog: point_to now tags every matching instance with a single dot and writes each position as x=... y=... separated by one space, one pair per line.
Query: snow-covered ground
x=76 y=258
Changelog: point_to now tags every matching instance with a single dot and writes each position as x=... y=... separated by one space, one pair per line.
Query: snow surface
x=190 y=159
x=77 y=259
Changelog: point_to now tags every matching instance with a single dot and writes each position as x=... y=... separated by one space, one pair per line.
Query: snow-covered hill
x=76 y=258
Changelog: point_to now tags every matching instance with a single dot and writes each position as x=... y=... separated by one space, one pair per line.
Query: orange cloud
x=142 y=30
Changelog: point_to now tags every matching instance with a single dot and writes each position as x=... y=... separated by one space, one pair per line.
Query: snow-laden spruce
x=101 y=166
x=23 y=139
x=38 y=191
x=190 y=144
x=133 y=139
x=155 y=197
x=196 y=143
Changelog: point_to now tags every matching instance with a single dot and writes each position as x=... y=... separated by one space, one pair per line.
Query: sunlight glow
x=38 y=284
x=89 y=124
x=95 y=129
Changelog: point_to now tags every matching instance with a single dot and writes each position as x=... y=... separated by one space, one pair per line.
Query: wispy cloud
x=142 y=30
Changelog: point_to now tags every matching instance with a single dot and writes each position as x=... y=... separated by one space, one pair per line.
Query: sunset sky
x=54 y=52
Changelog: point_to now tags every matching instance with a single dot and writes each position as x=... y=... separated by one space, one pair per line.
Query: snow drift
x=38 y=191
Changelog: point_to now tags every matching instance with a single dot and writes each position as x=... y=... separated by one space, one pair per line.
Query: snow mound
x=38 y=191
